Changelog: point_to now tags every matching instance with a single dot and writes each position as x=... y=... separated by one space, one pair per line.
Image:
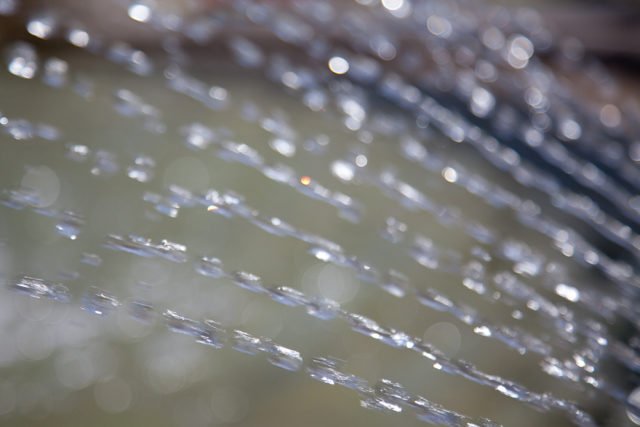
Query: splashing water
x=413 y=202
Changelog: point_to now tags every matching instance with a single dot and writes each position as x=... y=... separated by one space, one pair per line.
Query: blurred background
x=104 y=123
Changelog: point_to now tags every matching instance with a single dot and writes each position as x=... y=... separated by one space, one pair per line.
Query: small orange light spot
x=212 y=208
x=305 y=180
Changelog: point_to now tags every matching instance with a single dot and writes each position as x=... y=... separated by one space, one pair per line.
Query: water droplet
x=392 y=4
x=38 y=288
x=210 y=267
x=394 y=230
x=241 y=153
x=380 y=404
x=246 y=52
x=209 y=332
x=78 y=37
x=142 y=169
x=139 y=12
x=319 y=144
x=8 y=7
x=343 y=170
x=391 y=391
x=326 y=370
x=172 y=251
x=248 y=281
x=570 y=129
x=425 y=252
x=42 y=25
x=284 y=358
x=141 y=311
x=520 y=50
x=55 y=72
x=197 y=136
x=567 y=292
x=482 y=330
x=396 y=283
x=246 y=343
x=284 y=147
x=21 y=199
x=212 y=334
x=338 y=65
x=105 y=164
x=22 y=60
x=288 y=296
x=439 y=26
x=323 y=308
x=146 y=248
x=69 y=225
x=366 y=326
x=78 y=152
x=135 y=60
x=99 y=302
x=482 y=102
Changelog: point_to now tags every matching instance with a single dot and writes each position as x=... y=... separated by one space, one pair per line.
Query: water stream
x=416 y=203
